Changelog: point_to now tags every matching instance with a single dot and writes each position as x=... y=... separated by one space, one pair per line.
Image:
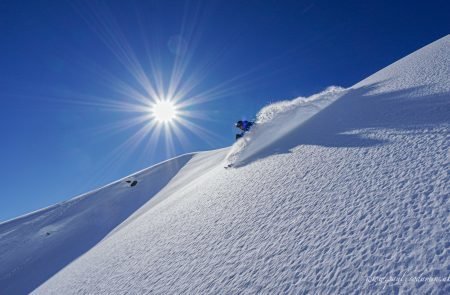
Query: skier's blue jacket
x=244 y=126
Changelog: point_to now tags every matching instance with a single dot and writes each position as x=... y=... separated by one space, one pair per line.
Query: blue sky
x=73 y=75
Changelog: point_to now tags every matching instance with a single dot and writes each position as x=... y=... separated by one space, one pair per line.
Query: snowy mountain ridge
x=353 y=191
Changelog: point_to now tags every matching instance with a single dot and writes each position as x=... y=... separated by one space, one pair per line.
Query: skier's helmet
x=239 y=124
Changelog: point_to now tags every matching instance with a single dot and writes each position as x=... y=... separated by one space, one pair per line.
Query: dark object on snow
x=132 y=183
x=244 y=126
x=228 y=166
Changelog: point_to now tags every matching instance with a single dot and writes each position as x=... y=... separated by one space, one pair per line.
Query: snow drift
x=352 y=199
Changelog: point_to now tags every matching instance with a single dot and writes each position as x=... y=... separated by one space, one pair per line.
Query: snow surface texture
x=355 y=199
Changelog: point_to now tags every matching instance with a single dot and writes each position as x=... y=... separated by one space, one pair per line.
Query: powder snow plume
x=278 y=119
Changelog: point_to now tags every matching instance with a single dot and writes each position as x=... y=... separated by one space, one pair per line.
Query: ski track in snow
x=353 y=196
x=279 y=236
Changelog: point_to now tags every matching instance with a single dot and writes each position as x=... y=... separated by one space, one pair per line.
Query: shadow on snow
x=360 y=110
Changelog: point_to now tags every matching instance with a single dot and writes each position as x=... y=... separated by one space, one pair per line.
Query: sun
x=164 y=111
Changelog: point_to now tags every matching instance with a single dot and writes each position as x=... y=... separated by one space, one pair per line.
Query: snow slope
x=35 y=246
x=352 y=199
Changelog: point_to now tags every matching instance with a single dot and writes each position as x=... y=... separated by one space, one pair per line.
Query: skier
x=244 y=126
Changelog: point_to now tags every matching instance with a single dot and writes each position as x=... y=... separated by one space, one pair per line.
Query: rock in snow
x=352 y=195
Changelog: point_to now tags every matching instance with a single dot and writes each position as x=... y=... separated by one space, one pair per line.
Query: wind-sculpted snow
x=353 y=199
x=279 y=119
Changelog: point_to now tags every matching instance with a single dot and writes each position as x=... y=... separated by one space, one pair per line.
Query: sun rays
x=160 y=101
x=157 y=89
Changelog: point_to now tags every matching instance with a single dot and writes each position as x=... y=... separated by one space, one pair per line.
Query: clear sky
x=79 y=78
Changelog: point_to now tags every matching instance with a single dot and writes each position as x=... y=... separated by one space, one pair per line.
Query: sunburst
x=164 y=111
x=158 y=105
